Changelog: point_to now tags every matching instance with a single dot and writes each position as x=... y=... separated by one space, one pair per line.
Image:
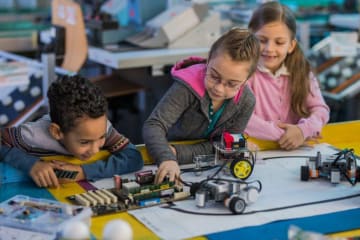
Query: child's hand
x=311 y=141
x=168 y=168
x=292 y=138
x=43 y=174
x=69 y=167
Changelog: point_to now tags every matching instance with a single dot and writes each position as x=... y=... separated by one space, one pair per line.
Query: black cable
x=188 y=184
x=353 y=183
x=264 y=210
x=195 y=170
x=267 y=158
x=217 y=172
x=342 y=155
x=186 y=170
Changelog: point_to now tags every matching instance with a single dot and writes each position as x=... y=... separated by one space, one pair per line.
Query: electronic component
x=337 y=167
x=232 y=154
x=234 y=194
x=132 y=194
x=145 y=177
x=65 y=173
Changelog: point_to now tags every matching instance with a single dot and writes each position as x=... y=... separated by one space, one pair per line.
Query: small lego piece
x=228 y=140
x=117 y=181
x=145 y=177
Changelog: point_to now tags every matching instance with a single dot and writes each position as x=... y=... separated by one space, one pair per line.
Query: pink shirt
x=273 y=106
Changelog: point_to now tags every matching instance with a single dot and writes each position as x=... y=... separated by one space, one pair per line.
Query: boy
x=77 y=126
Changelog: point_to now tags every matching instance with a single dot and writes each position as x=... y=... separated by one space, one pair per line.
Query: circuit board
x=130 y=194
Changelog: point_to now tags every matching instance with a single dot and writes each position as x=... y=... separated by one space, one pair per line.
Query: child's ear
x=292 y=46
x=55 y=131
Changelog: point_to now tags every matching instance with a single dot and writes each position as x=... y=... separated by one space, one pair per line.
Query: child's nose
x=220 y=86
x=269 y=46
x=95 y=148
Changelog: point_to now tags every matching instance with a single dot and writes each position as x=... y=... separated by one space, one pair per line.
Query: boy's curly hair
x=74 y=97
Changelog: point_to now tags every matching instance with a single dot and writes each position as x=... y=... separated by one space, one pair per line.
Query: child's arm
x=126 y=160
x=256 y=126
x=167 y=112
x=310 y=127
x=156 y=127
x=42 y=173
x=17 y=158
x=319 y=112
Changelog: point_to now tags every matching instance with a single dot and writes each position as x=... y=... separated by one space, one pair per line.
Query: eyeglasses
x=231 y=85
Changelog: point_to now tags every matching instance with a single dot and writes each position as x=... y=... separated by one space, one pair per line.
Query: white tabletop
x=142 y=58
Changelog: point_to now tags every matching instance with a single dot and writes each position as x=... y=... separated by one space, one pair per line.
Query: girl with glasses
x=208 y=97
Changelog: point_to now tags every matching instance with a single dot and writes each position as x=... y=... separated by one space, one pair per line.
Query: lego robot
x=337 y=167
x=232 y=154
x=235 y=195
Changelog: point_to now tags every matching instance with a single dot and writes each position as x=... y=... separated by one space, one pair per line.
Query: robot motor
x=334 y=167
x=235 y=194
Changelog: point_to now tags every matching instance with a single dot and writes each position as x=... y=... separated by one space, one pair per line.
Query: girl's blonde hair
x=296 y=62
x=240 y=45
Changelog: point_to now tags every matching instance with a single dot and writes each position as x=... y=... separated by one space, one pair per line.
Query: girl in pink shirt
x=289 y=106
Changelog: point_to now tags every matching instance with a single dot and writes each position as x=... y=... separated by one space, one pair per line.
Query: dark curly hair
x=73 y=97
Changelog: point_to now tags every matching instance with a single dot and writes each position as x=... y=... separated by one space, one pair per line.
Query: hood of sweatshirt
x=192 y=71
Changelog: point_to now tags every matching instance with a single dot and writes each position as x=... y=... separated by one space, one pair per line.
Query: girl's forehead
x=224 y=65
x=278 y=28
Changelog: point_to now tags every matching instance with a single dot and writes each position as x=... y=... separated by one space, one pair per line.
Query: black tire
x=305 y=173
x=237 y=205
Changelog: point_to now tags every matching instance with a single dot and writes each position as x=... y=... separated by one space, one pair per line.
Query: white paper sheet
x=281 y=187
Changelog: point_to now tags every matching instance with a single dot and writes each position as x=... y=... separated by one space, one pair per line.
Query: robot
x=235 y=195
x=337 y=167
x=232 y=154
x=234 y=158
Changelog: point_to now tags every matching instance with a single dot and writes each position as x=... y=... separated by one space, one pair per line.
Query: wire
x=264 y=210
x=207 y=168
x=267 y=158
x=201 y=169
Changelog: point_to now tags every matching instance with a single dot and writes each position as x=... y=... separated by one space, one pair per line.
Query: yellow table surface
x=340 y=135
